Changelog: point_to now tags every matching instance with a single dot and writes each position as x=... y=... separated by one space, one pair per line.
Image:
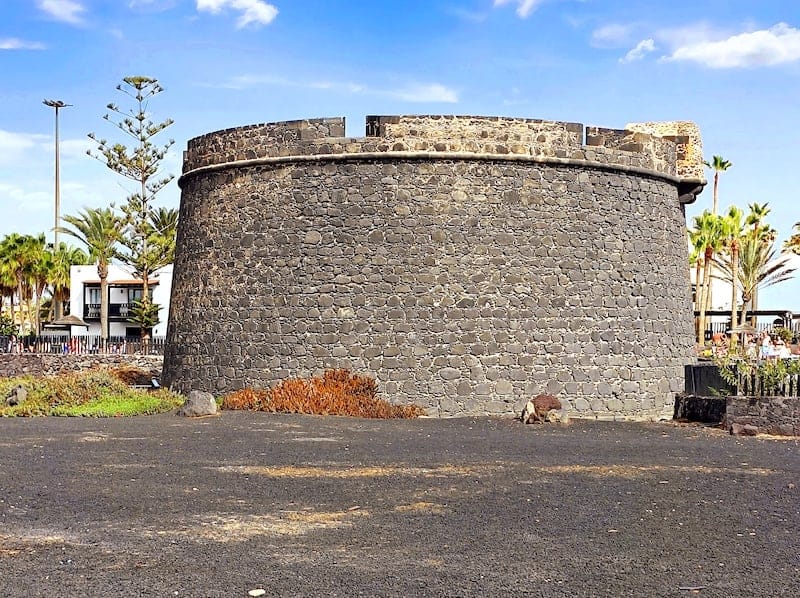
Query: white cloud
x=466 y=15
x=418 y=92
x=63 y=10
x=433 y=92
x=14 y=145
x=255 y=12
x=612 y=35
x=779 y=44
x=692 y=33
x=642 y=48
x=26 y=199
x=151 y=5
x=12 y=43
x=524 y=8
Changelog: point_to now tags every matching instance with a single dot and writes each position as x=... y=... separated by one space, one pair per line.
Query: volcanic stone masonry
x=467 y=263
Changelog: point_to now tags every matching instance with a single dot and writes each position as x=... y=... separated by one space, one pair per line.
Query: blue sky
x=732 y=66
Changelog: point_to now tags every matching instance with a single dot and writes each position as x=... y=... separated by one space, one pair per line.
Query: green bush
x=96 y=393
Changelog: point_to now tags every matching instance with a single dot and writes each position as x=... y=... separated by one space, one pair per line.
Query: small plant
x=785 y=334
x=7 y=327
x=336 y=392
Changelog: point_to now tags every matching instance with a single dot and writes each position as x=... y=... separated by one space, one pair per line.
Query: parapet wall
x=511 y=137
x=467 y=263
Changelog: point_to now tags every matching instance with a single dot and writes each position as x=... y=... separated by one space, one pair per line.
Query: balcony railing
x=116 y=311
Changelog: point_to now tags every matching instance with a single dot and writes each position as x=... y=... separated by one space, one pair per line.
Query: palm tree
x=40 y=279
x=758 y=268
x=99 y=230
x=765 y=234
x=8 y=279
x=163 y=226
x=21 y=254
x=719 y=164
x=733 y=229
x=793 y=243
x=63 y=258
x=706 y=238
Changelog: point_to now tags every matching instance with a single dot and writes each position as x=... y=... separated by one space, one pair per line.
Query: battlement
x=643 y=147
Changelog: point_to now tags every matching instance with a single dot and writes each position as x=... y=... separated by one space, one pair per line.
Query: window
x=136 y=294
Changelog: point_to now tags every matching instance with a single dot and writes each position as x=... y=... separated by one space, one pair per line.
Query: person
x=766 y=345
x=781 y=350
x=750 y=347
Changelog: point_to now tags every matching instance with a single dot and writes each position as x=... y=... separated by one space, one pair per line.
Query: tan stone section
x=688 y=140
x=485 y=135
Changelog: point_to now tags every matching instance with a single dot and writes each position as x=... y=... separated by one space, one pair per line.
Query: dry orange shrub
x=246 y=399
x=336 y=392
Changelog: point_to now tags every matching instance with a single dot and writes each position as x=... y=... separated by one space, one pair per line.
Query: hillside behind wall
x=465 y=262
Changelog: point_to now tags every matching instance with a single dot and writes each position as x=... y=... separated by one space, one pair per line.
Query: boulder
x=537 y=410
x=744 y=430
x=557 y=416
x=16 y=396
x=197 y=404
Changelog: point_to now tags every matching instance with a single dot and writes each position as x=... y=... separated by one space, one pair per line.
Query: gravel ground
x=325 y=506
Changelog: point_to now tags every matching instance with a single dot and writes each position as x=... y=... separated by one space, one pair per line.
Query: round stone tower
x=467 y=263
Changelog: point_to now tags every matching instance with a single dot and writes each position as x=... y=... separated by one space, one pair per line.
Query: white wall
x=161 y=295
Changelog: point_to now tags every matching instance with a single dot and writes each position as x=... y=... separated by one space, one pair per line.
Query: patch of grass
x=96 y=393
x=336 y=392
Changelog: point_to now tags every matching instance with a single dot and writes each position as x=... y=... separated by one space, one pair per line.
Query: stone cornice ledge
x=406 y=155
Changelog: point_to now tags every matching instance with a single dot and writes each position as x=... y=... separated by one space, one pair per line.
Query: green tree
x=733 y=230
x=759 y=267
x=7 y=326
x=793 y=242
x=99 y=230
x=41 y=271
x=8 y=279
x=164 y=223
x=759 y=230
x=140 y=163
x=64 y=257
x=21 y=256
x=706 y=238
x=718 y=164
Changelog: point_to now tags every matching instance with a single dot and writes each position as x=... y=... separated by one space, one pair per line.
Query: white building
x=123 y=290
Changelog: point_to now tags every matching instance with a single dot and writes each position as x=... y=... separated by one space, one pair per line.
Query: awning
x=66 y=321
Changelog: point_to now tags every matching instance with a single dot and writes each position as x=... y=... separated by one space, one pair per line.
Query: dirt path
x=312 y=506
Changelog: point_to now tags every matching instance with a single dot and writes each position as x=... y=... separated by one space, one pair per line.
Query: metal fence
x=753 y=385
x=55 y=344
x=713 y=328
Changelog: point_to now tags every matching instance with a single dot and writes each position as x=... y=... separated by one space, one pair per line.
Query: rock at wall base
x=543 y=408
x=198 y=404
x=17 y=395
x=743 y=430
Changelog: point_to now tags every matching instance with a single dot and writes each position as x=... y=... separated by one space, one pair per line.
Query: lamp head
x=55 y=103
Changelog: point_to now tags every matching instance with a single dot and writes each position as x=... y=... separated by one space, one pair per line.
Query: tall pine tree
x=141 y=162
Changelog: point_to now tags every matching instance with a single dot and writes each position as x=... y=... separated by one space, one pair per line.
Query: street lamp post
x=57 y=104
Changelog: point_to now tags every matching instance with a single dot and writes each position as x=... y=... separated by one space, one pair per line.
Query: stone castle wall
x=466 y=263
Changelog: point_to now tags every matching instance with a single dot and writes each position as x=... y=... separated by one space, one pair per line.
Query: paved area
x=324 y=506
